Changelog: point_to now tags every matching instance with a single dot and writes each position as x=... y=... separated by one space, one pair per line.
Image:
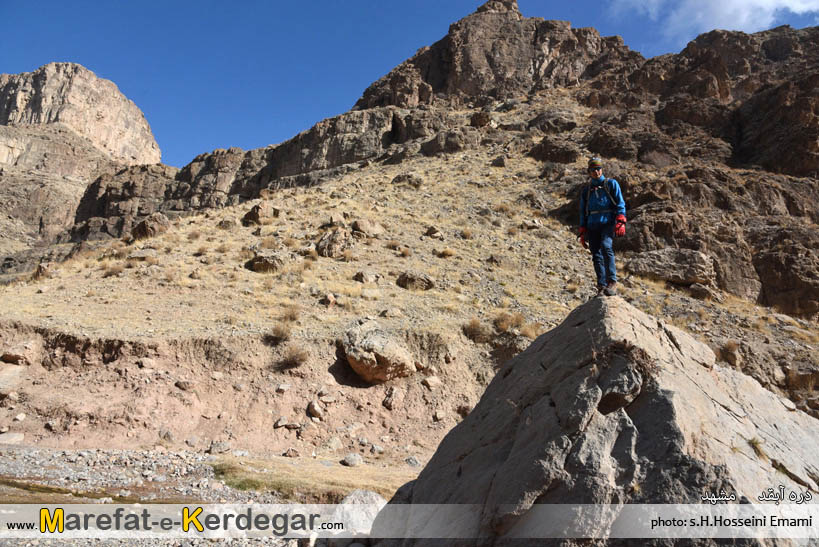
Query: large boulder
x=679 y=266
x=614 y=407
x=376 y=355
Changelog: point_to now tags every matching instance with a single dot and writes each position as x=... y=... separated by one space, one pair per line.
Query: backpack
x=605 y=185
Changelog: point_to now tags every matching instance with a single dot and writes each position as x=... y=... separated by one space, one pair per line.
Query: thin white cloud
x=682 y=20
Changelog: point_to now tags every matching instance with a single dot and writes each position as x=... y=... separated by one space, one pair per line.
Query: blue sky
x=214 y=74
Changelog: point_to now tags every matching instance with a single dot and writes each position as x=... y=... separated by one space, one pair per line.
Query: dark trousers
x=600 y=240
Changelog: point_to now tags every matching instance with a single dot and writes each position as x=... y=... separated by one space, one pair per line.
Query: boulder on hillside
x=613 y=407
x=152 y=226
x=375 y=355
x=333 y=243
x=679 y=266
x=553 y=150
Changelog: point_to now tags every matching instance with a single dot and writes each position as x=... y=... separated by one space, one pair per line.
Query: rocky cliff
x=614 y=407
x=75 y=97
x=716 y=146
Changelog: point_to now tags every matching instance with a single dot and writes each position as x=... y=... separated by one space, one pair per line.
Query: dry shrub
x=152 y=260
x=291 y=242
x=246 y=254
x=503 y=208
x=291 y=313
x=223 y=248
x=312 y=254
x=268 y=243
x=194 y=235
x=531 y=330
x=201 y=251
x=393 y=245
x=110 y=270
x=446 y=253
x=277 y=335
x=347 y=256
x=505 y=321
x=466 y=233
x=513 y=231
x=405 y=252
x=131 y=264
x=293 y=358
x=477 y=331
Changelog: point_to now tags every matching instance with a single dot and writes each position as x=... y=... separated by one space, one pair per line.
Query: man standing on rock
x=602 y=217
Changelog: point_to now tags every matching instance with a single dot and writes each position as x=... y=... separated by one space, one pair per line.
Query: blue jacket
x=601 y=210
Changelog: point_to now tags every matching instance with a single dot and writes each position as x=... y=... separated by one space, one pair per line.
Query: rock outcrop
x=615 y=407
x=93 y=107
x=498 y=53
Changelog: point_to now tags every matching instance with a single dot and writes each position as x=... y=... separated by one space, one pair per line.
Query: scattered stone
x=393 y=398
x=142 y=254
x=412 y=461
x=258 y=214
x=281 y=388
x=480 y=119
x=314 y=410
x=328 y=300
x=500 y=161
x=368 y=228
x=333 y=243
x=352 y=460
x=281 y=422
x=291 y=453
x=185 y=385
x=431 y=382
x=366 y=277
x=226 y=224
x=415 y=281
x=439 y=416
x=377 y=449
x=218 y=447
x=408 y=178
x=434 y=233
x=266 y=261
x=20 y=417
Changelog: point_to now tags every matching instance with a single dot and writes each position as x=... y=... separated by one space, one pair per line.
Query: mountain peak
x=499 y=6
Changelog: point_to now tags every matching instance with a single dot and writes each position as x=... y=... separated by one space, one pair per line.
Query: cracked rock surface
x=612 y=407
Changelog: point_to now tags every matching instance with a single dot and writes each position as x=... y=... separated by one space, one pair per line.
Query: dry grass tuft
x=446 y=253
x=531 y=330
x=194 y=235
x=277 y=335
x=393 y=245
x=466 y=233
x=347 y=256
x=405 y=252
x=291 y=313
x=268 y=243
x=505 y=321
x=477 y=331
x=293 y=358
x=111 y=270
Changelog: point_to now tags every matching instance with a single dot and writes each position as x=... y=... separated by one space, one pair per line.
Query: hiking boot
x=611 y=289
x=600 y=291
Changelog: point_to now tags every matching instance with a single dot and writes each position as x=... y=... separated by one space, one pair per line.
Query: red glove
x=620 y=226
x=582 y=237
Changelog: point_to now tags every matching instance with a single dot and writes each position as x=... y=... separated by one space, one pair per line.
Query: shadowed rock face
x=615 y=407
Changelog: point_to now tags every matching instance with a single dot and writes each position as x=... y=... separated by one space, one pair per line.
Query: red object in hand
x=620 y=226
x=582 y=237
